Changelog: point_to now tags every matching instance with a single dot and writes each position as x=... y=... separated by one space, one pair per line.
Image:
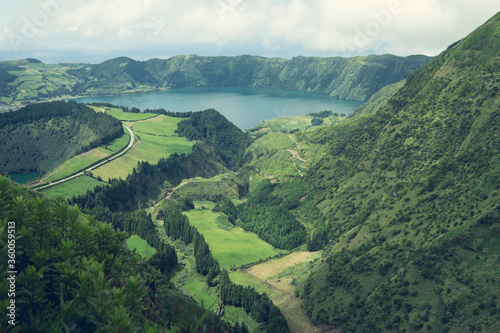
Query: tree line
x=259 y=306
x=134 y=109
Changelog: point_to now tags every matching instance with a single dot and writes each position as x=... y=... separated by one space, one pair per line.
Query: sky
x=93 y=31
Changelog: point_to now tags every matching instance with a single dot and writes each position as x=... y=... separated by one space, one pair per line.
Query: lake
x=245 y=107
x=23 y=178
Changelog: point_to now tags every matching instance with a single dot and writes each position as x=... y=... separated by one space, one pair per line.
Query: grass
x=84 y=160
x=195 y=285
x=224 y=185
x=292 y=123
x=230 y=245
x=277 y=278
x=128 y=116
x=156 y=139
x=141 y=246
x=77 y=186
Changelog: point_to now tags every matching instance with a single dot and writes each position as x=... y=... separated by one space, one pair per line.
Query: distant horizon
x=210 y=56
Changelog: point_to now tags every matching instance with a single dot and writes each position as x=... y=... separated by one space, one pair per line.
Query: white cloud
x=322 y=27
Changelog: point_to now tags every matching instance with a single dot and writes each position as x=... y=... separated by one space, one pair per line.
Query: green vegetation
x=128 y=116
x=346 y=78
x=230 y=245
x=409 y=202
x=379 y=99
x=140 y=246
x=157 y=139
x=213 y=189
x=357 y=78
x=74 y=187
x=269 y=217
x=84 y=160
x=40 y=137
x=259 y=306
x=194 y=284
x=292 y=124
x=80 y=274
x=211 y=127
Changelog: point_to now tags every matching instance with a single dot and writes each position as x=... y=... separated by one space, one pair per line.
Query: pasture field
x=128 y=116
x=84 y=160
x=230 y=245
x=198 y=189
x=141 y=246
x=155 y=139
x=75 y=187
x=195 y=285
x=277 y=278
x=292 y=123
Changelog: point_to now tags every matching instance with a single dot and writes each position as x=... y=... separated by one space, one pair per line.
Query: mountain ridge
x=354 y=78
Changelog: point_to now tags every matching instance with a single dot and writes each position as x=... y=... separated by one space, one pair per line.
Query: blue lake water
x=245 y=107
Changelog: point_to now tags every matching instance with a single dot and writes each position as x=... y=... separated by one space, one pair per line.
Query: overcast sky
x=96 y=30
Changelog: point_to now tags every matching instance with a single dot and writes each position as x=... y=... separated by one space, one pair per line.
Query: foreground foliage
x=76 y=274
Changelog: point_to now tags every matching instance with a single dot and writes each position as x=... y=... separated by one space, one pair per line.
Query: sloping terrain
x=410 y=205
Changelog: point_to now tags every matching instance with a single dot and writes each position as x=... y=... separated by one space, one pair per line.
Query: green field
x=230 y=245
x=292 y=123
x=277 y=278
x=128 y=116
x=84 y=160
x=156 y=139
x=195 y=285
x=77 y=186
x=141 y=246
x=197 y=189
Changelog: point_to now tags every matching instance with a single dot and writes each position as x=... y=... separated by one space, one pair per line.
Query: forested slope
x=75 y=274
x=410 y=202
x=40 y=137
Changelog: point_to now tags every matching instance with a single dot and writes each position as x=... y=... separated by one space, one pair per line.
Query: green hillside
x=410 y=205
x=379 y=99
x=24 y=81
x=42 y=136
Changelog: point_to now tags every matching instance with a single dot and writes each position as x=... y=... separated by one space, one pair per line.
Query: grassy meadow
x=277 y=278
x=230 y=245
x=76 y=186
x=141 y=246
x=290 y=124
x=128 y=116
x=155 y=139
x=84 y=160
x=195 y=285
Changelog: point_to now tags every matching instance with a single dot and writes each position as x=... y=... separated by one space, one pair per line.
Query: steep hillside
x=346 y=78
x=379 y=99
x=40 y=137
x=355 y=78
x=411 y=206
x=112 y=76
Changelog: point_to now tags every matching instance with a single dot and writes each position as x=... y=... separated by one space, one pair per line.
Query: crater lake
x=245 y=107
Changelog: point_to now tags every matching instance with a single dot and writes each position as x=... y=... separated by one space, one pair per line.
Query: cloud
x=277 y=27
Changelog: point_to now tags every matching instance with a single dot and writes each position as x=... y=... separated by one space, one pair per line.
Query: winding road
x=101 y=163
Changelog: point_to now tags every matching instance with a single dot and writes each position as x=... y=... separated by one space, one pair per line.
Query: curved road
x=101 y=163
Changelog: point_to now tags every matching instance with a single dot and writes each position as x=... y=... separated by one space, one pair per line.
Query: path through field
x=104 y=161
x=282 y=292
